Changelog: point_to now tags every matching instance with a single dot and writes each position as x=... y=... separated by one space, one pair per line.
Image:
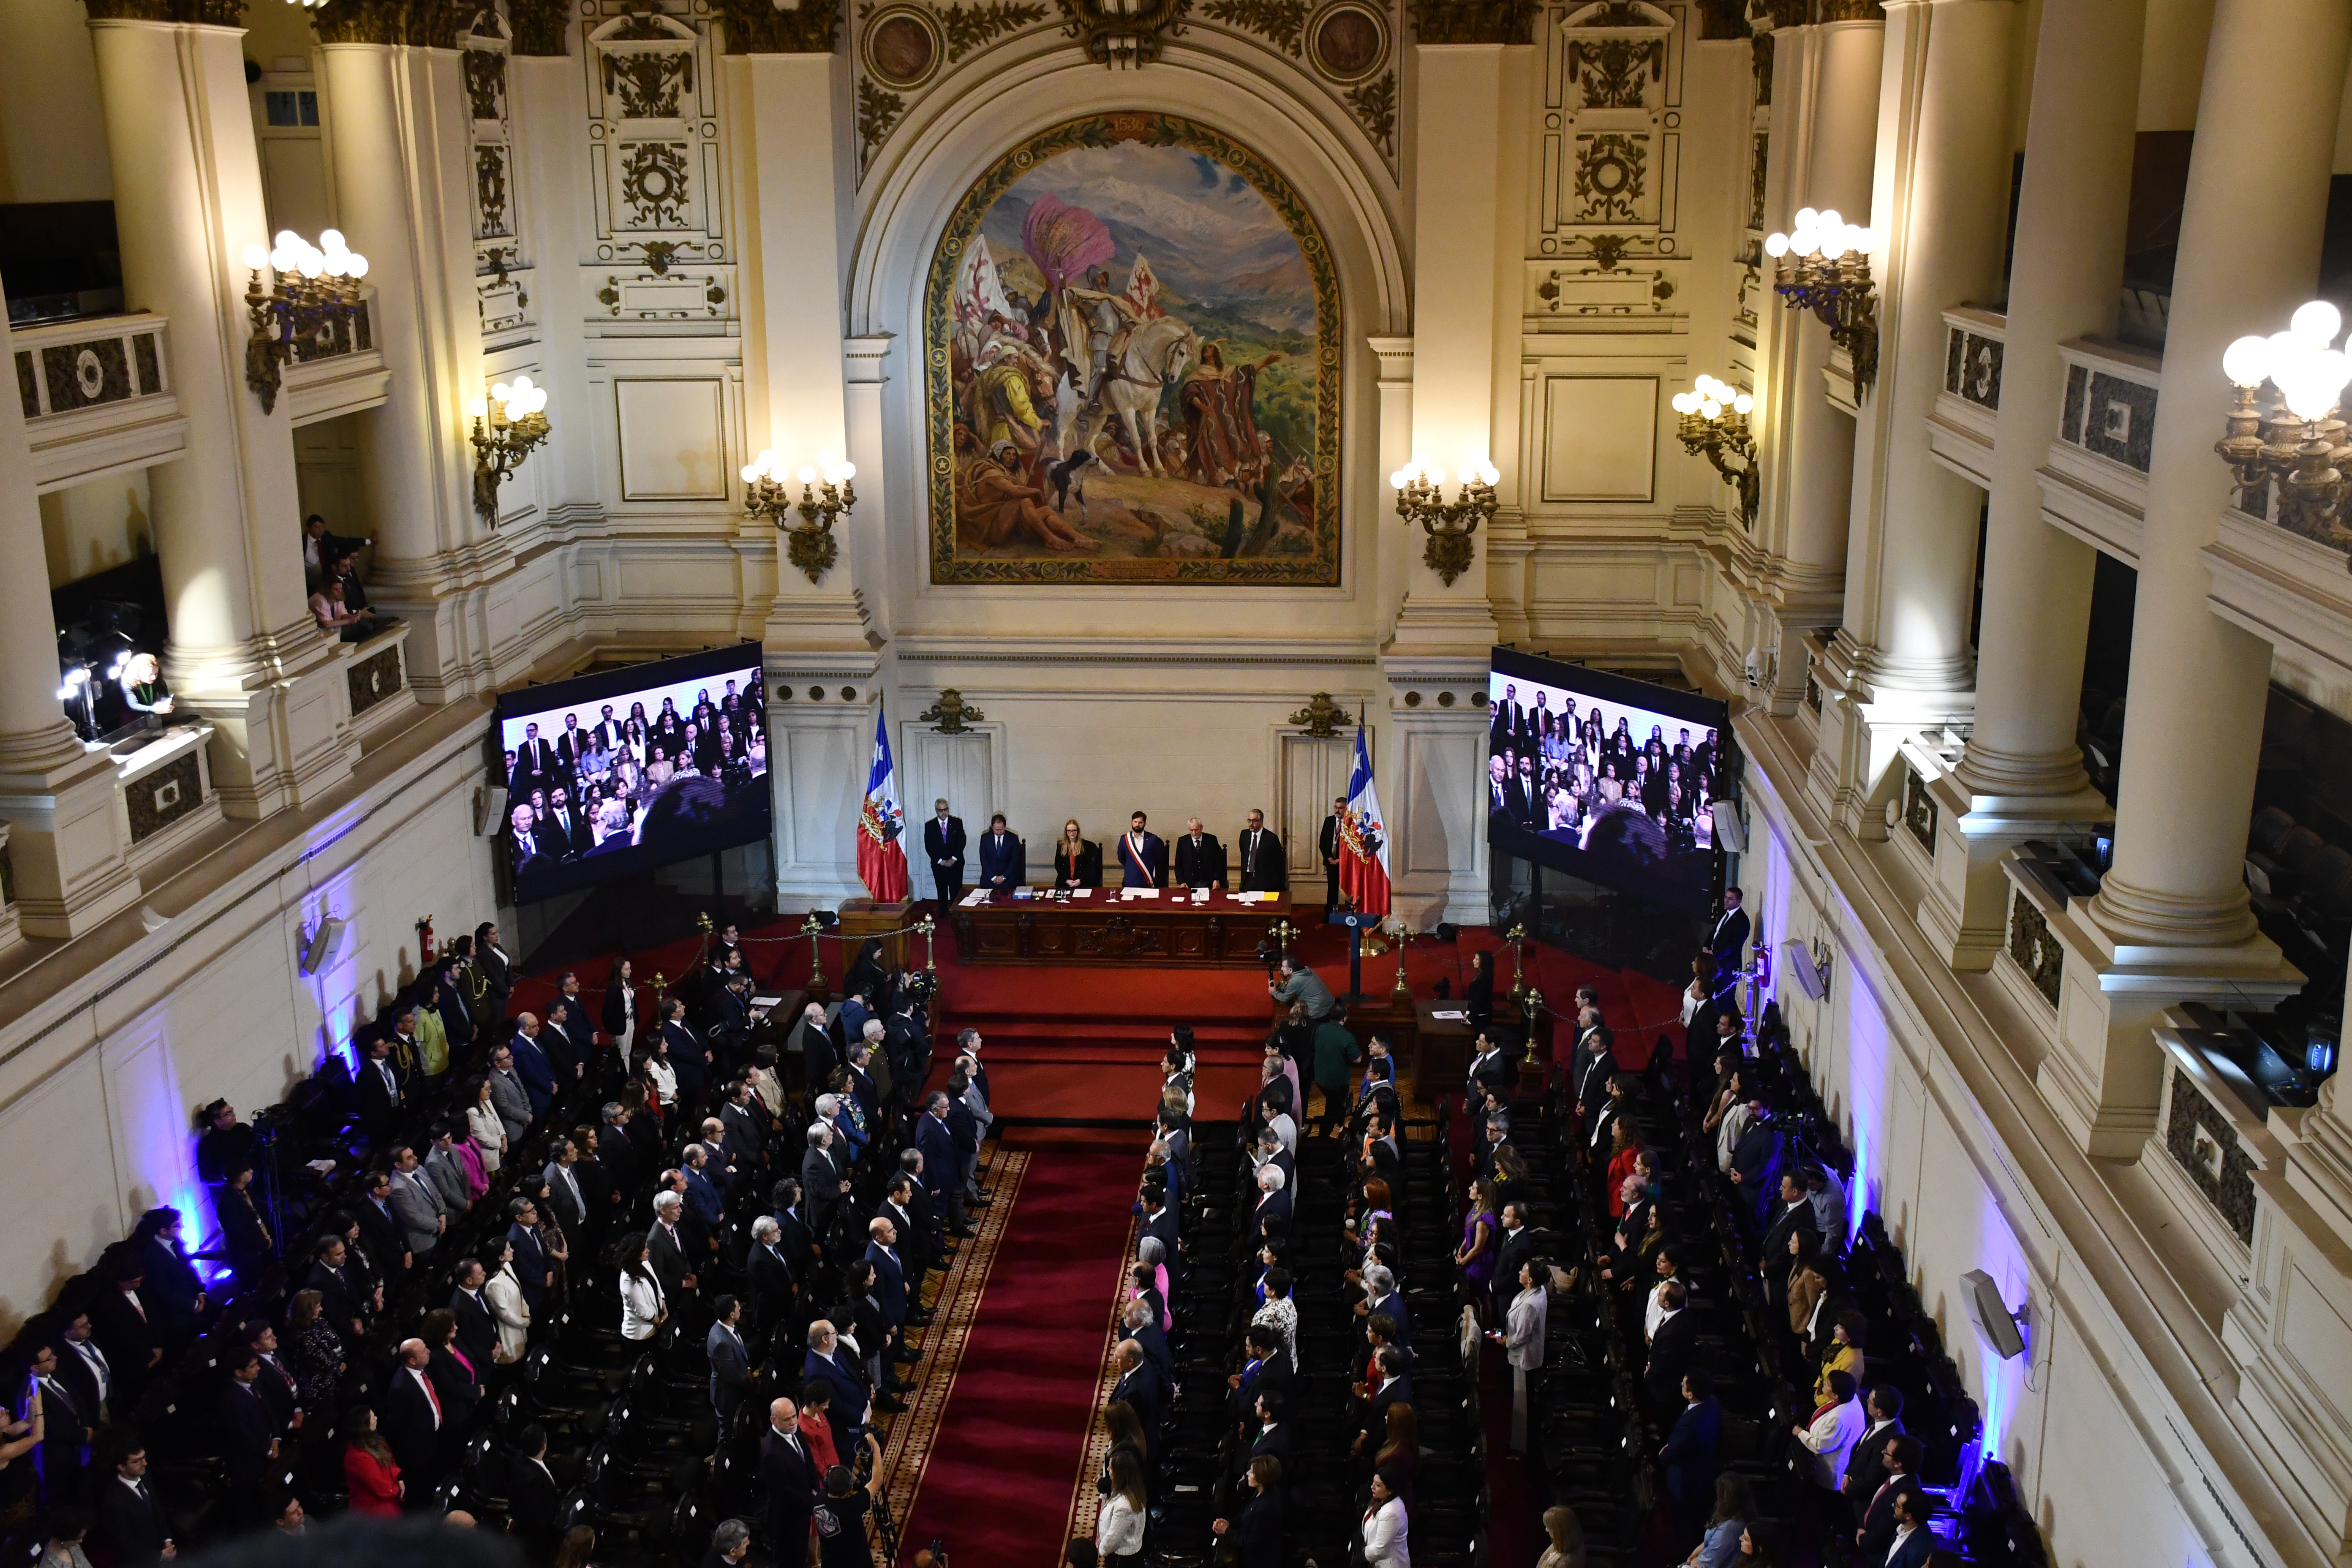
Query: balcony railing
x=97 y=396
x=2095 y=481
x=1960 y=427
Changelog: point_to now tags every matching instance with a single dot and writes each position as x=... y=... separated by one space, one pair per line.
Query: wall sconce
x=1715 y=427
x=1420 y=498
x=508 y=425
x=809 y=543
x=2297 y=443
x=1824 y=268
x=313 y=294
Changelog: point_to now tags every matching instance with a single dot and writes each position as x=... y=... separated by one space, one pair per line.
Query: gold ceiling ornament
x=1823 y=265
x=766 y=27
x=947 y=715
x=425 y=24
x=217 y=12
x=311 y=306
x=1123 y=34
x=809 y=544
x=1715 y=427
x=1321 y=718
x=538 y=27
x=509 y=425
x=1420 y=498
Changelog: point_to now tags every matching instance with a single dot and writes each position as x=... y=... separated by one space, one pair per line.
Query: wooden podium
x=862 y=918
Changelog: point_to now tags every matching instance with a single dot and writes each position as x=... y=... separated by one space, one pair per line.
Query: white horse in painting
x=1149 y=358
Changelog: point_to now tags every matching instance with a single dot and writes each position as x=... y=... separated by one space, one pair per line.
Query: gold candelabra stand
x=508 y=426
x=813 y=929
x=826 y=494
x=927 y=928
x=1400 y=990
x=1532 y=1007
x=1518 y=937
x=1715 y=427
x=1420 y=498
x=1283 y=930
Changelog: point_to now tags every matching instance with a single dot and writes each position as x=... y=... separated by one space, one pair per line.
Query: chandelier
x=311 y=306
x=1715 y=427
x=1824 y=267
x=1420 y=498
x=826 y=494
x=2297 y=443
x=508 y=425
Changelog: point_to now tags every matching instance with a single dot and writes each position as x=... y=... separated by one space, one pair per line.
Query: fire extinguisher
x=424 y=939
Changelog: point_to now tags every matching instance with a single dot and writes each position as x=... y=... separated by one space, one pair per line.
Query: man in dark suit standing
x=379 y=1086
x=131 y=1523
x=1672 y=1348
x=1728 y=940
x=564 y=832
x=1505 y=798
x=532 y=1495
x=249 y=1435
x=788 y=1476
x=478 y=1331
x=1004 y=858
x=1897 y=1461
x=1688 y=1457
x=943 y=847
x=67 y=1425
x=413 y=1418
x=1200 y=859
x=1142 y=857
x=730 y=1360
x=1263 y=870
x=535 y=762
x=1326 y=844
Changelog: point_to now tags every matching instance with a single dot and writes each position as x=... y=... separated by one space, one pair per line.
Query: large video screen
x=629 y=769
x=1605 y=778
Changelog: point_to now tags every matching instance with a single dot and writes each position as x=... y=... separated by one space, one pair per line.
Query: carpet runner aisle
x=989 y=1464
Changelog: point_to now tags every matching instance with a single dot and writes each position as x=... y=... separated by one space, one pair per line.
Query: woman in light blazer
x=1119 y=1527
x=1523 y=1340
x=504 y=1293
x=642 y=1307
x=483 y=1128
x=1384 y=1529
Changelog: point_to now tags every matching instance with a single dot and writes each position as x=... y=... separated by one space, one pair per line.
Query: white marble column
x=2171 y=921
x=1829 y=71
x=245 y=651
x=63 y=844
x=2022 y=773
x=398 y=137
x=1458 y=251
x=1939 y=208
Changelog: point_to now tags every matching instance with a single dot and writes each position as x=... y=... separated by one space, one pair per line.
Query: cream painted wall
x=52 y=137
x=2172 y=63
x=90 y=528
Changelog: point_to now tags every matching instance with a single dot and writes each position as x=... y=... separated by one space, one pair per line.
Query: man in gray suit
x=416 y=1203
x=730 y=1360
x=447 y=1171
x=563 y=1188
x=509 y=1096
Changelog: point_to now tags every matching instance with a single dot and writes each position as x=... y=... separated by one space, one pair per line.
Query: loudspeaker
x=1730 y=832
x=1798 y=959
x=324 y=944
x=489 y=810
x=1991 y=1314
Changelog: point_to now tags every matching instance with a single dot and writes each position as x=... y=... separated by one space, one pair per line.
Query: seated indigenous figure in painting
x=995 y=505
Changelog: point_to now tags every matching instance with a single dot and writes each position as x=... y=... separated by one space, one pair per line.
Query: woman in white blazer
x=483 y=1126
x=1384 y=1529
x=1523 y=1342
x=1119 y=1527
x=642 y=1307
x=504 y=1293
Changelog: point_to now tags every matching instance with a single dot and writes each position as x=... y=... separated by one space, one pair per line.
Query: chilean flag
x=1364 y=839
x=881 y=853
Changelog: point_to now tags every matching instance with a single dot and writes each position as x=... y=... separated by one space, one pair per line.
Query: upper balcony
x=2095 y=480
x=1960 y=428
x=97 y=395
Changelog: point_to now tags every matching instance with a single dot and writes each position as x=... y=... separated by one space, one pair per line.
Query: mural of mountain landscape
x=1133 y=339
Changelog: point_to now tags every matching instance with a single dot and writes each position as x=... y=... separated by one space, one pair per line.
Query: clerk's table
x=1173 y=931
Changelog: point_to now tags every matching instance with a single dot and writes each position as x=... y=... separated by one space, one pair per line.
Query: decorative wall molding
x=760 y=27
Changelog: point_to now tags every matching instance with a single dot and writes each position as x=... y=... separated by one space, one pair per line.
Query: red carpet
x=998 y=1481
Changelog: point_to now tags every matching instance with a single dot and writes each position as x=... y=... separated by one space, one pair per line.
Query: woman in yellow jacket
x=1848 y=1331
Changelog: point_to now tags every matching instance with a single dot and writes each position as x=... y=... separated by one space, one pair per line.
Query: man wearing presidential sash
x=1141 y=855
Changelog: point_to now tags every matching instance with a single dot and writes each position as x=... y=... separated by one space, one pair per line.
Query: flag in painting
x=881 y=824
x=1364 y=839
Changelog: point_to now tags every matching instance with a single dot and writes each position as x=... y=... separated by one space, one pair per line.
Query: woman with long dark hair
x=620 y=1016
x=371 y=1475
x=643 y=1308
x=313 y=1353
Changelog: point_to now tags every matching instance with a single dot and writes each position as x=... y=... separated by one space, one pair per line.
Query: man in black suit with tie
x=248 y=1432
x=943 y=847
x=1728 y=940
x=1505 y=798
x=1004 y=858
x=1503 y=726
x=564 y=832
x=1394 y=1388
x=1326 y=844
x=532 y=1495
x=413 y=1418
x=1200 y=859
x=131 y=1523
x=1263 y=870
x=789 y=1478
x=478 y=1331
x=730 y=1360
x=1672 y=1348
x=571 y=747
x=67 y=1425
x=1688 y=1457
x=535 y=762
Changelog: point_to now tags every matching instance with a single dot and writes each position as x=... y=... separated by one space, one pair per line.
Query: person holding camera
x=841 y=1515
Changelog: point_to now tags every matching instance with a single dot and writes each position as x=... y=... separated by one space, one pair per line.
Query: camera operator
x=848 y=1502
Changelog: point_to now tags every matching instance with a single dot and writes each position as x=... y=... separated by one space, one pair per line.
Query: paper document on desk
x=1082 y=892
x=1450 y=1015
x=1139 y=892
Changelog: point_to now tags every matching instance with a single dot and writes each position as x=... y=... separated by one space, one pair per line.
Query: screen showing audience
x=616 y=773
x=1603 y=777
